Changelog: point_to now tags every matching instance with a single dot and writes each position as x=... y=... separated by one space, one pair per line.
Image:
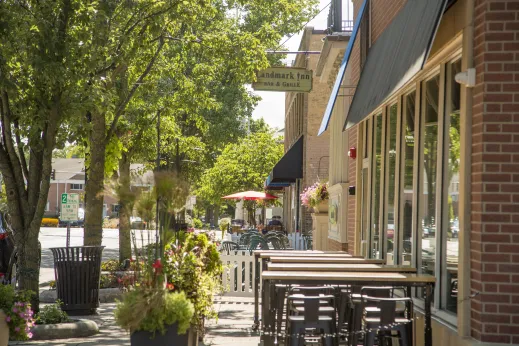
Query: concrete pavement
x=232 y=328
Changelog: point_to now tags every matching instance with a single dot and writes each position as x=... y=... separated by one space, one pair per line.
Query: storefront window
x=377 y=165
x=408 y=169
x=429 y=176
x=453 y=165
x=391 y=164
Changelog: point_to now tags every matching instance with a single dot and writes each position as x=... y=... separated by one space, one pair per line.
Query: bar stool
x=387 y=320
x=297 y=325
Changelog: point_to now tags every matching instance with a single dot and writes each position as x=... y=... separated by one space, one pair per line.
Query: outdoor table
x=340 y=267
x=270 y=278
x=310 y=257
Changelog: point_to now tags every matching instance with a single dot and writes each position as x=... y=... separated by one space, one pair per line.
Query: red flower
x=170 y=286
x=157 y=265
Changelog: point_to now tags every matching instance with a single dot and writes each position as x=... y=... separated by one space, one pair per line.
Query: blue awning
x=342 y=70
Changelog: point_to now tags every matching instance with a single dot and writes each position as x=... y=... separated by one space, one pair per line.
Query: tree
x=242 y=166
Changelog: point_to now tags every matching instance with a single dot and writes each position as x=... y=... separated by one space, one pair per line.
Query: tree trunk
x=126 y=207
x=95 y=185
x=216 y=215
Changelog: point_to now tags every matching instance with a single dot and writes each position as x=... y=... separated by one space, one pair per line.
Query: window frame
x=74 y=185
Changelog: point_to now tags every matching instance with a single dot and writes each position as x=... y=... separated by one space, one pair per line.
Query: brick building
x=69 y=177
x=303 y=112
x=436 y=172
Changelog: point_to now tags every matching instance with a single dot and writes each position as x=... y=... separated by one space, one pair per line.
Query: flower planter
x=321 y=207
x=4 y=330
x=170 y=338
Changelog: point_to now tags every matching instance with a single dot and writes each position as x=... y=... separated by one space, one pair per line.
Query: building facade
x=436 y=173
x=69 y=177
x=303 y=112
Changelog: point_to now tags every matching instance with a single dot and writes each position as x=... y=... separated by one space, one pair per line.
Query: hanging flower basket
x=316 y=197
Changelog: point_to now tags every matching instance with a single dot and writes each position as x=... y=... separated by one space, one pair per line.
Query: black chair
x=382 y=318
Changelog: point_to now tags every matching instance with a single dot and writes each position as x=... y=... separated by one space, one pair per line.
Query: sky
x=272 y=106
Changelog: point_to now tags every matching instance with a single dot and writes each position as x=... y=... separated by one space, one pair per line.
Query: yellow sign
x=284 y=79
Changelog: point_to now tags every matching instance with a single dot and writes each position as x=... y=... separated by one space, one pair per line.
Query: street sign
x=69 y=206
x=284 y=79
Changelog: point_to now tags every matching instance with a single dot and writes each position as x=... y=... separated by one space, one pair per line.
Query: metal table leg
x=428 y=328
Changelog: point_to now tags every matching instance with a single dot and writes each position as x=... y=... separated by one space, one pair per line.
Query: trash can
x=77 y=270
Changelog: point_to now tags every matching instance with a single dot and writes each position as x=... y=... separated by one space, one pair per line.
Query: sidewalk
x=232 y=328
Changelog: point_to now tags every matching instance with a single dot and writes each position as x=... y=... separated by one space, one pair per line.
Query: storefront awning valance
x=289 y=168
x=396 y=56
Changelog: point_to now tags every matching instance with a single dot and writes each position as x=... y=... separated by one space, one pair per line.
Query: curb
x=77 y=329
x=106 y=295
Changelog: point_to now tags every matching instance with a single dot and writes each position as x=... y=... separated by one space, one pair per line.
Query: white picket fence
x=239 y=273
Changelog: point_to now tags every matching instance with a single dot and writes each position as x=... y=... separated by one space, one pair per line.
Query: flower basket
x=321 y=208
x=4 y=329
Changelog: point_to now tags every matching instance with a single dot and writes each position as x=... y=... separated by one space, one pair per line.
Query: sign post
x=69 y=210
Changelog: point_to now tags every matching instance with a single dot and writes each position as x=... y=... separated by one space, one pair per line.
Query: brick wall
x=334 y=245
x=494 y=234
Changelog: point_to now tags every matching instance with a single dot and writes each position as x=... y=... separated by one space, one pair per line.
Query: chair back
x=257 y=240
x=387 y=306
x=228 y=246
x=311 y=304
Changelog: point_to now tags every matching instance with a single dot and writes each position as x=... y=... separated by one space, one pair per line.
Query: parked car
x=137 y=223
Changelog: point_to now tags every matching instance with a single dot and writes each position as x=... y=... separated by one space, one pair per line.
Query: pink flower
x=17 y=329
x=8 y=319
x=29 y=335
x=21 y=314
x=15 y=310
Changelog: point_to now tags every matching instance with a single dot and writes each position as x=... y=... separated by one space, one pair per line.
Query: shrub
x=52 y=314
x=197 y=223
x=111 y=265
x=49 y=222
x=224 y=223
x=17 y=307
x=152 y=310
x=111 y=223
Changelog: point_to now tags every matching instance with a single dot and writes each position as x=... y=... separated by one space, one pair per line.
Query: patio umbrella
x=250 y=196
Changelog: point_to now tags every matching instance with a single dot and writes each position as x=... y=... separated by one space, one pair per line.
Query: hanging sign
x=284 y=79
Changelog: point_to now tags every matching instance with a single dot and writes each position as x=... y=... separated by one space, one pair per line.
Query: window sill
x=441 y=316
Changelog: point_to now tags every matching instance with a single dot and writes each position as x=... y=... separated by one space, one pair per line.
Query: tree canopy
x=242 y=166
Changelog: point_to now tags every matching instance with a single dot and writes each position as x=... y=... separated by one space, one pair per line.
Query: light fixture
x=352 y=153
x=467 y=78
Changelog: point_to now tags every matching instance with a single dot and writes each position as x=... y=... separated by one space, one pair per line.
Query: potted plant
x=192 y=264
x=16 y=314
x=316 y=197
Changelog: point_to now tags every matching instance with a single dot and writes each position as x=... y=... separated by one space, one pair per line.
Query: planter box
x=170 y=338
x=4 y=330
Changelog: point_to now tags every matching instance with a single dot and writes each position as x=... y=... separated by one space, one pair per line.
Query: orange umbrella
x=250 y=196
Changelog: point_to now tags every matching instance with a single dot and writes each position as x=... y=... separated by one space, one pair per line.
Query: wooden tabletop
x=320 y=259
x=339 y=267
x=368 y=277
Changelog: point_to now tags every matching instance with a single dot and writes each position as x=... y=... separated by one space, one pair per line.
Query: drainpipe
x=464 y=308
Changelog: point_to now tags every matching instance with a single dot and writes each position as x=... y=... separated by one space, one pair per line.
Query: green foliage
x=111 y=265
x=224 y=223
x=152 y=310
x=197 y=223
x=193 y=265
x=52 y=314
x=17 y=308
x=241 y=166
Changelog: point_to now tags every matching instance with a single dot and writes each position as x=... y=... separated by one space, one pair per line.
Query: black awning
x=289 y=168
x=396 y=56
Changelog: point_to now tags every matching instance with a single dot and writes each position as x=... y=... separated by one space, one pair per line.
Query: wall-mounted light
x=352 y=153
x=351 y=190
x=467 y=78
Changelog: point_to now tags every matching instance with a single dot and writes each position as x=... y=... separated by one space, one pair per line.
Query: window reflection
x=430 y=165
x=453 y=165
x=391 y=162
x=377 y=145
x=408 y=157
